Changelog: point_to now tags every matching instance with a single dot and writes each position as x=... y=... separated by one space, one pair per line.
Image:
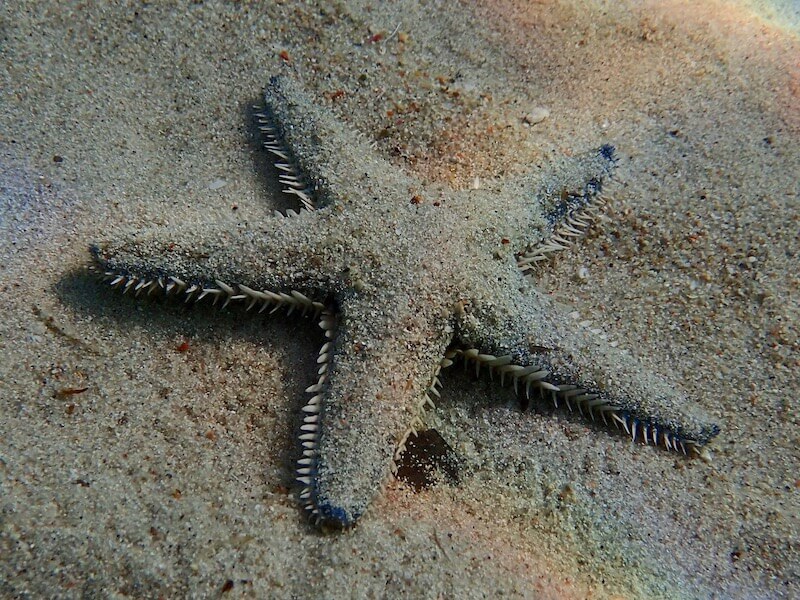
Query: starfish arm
x=317 y=152
x=375 y=373
x=557 y=207
x=530 y=341
x=282 y=263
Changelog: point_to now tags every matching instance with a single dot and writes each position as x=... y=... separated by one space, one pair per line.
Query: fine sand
x=145 y=450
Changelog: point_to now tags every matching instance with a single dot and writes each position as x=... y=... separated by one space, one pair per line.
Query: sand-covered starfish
x=405 y=278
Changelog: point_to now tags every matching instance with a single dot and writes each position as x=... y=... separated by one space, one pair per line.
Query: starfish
x=405 y=279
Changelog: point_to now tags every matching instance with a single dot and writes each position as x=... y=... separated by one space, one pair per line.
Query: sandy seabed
x=145 y=449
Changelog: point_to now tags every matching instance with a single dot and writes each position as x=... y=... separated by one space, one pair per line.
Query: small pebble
x=537 y=115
